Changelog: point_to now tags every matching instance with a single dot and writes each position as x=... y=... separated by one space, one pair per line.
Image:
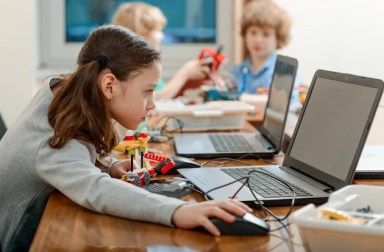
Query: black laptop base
x=370 y=175
x=226 y=155
x=286 y=202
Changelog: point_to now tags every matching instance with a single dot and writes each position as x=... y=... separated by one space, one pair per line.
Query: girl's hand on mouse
x=195 y=215
x=121 y=168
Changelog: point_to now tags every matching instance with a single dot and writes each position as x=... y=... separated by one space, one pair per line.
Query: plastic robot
x=165 y=163
x=129 y=145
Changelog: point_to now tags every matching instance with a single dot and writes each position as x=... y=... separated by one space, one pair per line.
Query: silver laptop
x=371 y=163
x=266 y=141
x=324 y=150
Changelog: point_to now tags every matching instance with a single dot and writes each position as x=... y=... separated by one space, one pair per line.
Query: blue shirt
x=249 y=81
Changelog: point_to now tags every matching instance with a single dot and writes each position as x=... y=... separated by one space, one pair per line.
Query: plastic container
x=213 y=115
x=335 y=235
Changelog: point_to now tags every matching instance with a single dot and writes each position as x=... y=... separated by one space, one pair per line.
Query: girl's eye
x=149 y=91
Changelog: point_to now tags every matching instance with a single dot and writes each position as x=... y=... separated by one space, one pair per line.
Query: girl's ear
x=107 y=85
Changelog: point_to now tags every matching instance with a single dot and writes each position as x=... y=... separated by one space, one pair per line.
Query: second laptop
x=266 y=141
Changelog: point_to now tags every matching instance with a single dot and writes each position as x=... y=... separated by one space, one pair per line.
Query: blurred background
x=42 y=37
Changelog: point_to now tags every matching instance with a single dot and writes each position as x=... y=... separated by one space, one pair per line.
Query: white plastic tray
x=214 y=115
x=321 y=235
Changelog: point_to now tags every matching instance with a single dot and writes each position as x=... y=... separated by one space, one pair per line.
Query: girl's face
x=155 y=37
x=131 y=100
x=260 y=41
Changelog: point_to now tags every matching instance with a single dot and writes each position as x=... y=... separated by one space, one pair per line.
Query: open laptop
x=265 y=142
x=371 y=163
x=324 y=150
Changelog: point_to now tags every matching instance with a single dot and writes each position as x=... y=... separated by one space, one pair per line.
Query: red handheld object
x=218 y=59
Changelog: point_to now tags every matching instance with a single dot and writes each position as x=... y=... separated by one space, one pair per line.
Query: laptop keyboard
x=265 y=185
x=230 y=143
x=168 y=190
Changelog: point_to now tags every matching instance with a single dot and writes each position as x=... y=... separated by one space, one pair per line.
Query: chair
x=3 y=128
x=26 y=230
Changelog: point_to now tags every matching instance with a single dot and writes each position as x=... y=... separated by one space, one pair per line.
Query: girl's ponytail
x=71 y=113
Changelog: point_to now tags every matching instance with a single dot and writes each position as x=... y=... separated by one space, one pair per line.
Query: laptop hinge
x=265 y=142
x=328 y=190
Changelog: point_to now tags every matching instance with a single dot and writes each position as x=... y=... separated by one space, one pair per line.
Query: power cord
x=267 y=212
x=163 y=127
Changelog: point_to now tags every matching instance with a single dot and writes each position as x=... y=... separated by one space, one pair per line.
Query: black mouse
x=180 y=163
x=246 y=225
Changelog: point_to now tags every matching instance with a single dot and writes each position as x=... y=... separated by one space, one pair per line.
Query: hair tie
x=103 y=60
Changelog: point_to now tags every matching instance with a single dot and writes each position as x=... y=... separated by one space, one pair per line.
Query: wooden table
x=66 y=226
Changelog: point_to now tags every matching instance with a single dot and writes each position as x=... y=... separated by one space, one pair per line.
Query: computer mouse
x=180 y=163
x=246 y=225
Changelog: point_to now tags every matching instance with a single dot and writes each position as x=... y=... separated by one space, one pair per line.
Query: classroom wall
x=17 y=55
x=342 y=35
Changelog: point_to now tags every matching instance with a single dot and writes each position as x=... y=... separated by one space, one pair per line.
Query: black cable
x=259 y=158
x=232 y=182
x=194 y=189
x=265 y=210
x=167 y=118
x=230 y=160
x=211 y=161
x=238 y=160
x=284 y=183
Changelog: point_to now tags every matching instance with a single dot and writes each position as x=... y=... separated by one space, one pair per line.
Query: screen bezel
x=276 y=142
x=56 y=53
x=313 y=172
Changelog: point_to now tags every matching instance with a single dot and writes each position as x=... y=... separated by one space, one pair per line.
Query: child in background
x=148 y=21
x=265 y=27
x=56 y=141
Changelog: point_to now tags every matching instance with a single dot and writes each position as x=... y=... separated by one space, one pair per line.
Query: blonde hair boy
x=265 y=28
x=140 y=17
x=148 y=21
x=266 y=13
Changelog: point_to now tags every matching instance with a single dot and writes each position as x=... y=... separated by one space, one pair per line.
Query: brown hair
x=266 y=13
x=77 y=110
x=140 y=17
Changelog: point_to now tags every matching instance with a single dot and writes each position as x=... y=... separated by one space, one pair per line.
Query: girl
x=56 y=141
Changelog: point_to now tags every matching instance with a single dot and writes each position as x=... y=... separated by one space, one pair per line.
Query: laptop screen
x=332 y=126
x=279 y=98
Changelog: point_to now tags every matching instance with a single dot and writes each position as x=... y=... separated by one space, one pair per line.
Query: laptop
x=266 y=141
x=324 y=150
x=371 y=163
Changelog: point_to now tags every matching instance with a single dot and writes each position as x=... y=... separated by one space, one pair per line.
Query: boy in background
x=265 y=28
